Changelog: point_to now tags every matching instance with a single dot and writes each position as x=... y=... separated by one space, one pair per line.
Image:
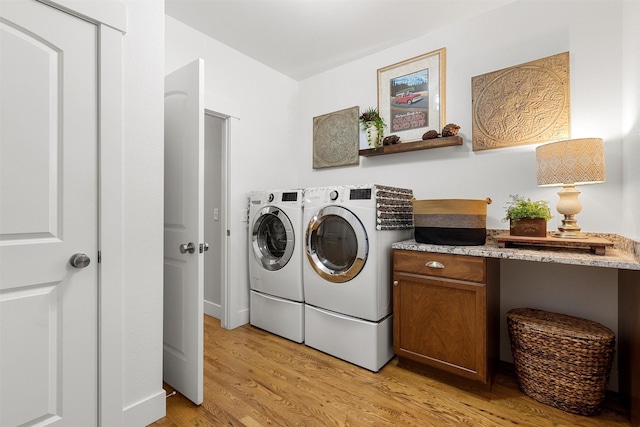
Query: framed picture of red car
x=411 y=96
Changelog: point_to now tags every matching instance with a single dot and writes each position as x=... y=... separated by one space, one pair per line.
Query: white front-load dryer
x=275 y=262
x=347 y=270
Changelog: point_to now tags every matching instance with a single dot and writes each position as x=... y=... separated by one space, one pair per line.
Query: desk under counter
x=623 y=257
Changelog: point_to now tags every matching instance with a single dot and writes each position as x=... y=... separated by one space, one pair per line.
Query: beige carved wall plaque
x=336 y=139
x=525 y=104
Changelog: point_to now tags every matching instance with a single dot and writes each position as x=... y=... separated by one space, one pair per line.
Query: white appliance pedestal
x=278 y=316
x=361 y=342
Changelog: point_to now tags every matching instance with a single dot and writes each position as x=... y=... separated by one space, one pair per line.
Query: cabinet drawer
x=450 y=266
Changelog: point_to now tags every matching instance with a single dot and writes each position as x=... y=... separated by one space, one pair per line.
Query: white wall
x=513 y=34
x=631 y=119
x=143 y=201
x=265 y=106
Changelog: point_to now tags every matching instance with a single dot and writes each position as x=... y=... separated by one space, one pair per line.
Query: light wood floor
x=253 y=378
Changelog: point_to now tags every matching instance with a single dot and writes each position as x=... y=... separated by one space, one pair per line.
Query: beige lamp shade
x=567 y=163
x=574 y=161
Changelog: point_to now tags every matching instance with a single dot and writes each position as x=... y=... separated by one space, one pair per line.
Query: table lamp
x=567 y=164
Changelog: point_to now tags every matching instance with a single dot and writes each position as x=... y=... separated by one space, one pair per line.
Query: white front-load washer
x=347 y=271
x=276 y=249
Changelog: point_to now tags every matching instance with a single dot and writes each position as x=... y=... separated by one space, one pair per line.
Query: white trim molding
x=112 y=13
x=110 y=323
x=144 y=412
x=110 y=19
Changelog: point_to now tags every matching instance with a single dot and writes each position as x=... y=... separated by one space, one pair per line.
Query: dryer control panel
x=360 y=194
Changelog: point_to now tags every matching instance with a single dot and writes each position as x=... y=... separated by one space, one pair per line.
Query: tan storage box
x=450 y=221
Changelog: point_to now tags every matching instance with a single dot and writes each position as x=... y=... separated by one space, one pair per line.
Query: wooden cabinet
x=629 y=341
x=446 y=311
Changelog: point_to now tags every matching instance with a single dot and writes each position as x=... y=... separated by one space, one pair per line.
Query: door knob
x=187 y=247
x=79 y=260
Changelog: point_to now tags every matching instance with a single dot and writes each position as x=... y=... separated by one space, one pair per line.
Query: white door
x=184 y=230
x=48 y=213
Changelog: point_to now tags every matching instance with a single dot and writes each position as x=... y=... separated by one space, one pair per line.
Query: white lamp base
x=569 y=229
x=569 y=206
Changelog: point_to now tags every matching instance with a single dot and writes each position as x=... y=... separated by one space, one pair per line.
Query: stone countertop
x=613 y=258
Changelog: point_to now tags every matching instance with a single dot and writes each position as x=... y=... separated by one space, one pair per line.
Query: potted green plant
x=526 y=217
x=373 y=125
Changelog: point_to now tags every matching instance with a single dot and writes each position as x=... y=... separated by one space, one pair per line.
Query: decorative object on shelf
x=336 y=139
x=411 y=95
x=373 y=125
x=450 y=221
x=451 y=129
x=430 y=134
x=570 y=163
x=391 y=140
x=527 y=218
x=525 y=104
x=412 y=146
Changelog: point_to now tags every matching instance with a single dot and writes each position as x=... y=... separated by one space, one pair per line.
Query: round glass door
x=337 y=244
x=273 y=238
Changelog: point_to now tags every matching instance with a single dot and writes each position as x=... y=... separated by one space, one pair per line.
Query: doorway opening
x=216 y=137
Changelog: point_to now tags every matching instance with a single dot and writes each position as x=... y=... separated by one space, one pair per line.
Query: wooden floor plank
x=255 y=379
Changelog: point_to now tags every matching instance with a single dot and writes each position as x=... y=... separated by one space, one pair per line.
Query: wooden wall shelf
x=412 y=146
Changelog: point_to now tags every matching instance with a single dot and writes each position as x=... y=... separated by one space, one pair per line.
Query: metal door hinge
x=99 y=257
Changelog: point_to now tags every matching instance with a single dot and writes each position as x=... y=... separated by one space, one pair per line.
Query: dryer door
x=272 y=238
x=337 y=244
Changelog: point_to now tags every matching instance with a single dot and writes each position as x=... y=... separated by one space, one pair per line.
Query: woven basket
x=562 y=361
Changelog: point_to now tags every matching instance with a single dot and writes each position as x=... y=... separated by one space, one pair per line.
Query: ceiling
x=301 y=38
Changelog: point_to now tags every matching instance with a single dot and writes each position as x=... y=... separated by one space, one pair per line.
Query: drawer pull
x=434 y=264
x=395 y=283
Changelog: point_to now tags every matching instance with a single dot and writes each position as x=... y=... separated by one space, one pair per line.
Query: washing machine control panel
x=290 y=196
x=360 y=194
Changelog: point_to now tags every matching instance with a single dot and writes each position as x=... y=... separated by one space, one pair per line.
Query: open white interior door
x=48 y=217
x=184 y=230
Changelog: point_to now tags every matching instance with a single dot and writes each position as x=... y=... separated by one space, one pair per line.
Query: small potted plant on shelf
x=527 y=218
x=373 y=125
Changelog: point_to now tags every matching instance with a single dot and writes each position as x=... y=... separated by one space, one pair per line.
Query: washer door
x=337 y=244
x=273 y=238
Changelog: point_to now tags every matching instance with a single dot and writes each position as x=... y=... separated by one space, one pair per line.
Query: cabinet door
x=441 y=323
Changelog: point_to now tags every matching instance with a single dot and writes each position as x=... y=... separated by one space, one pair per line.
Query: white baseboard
x=146 y=411
x=241 y=317
x=212 y=309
